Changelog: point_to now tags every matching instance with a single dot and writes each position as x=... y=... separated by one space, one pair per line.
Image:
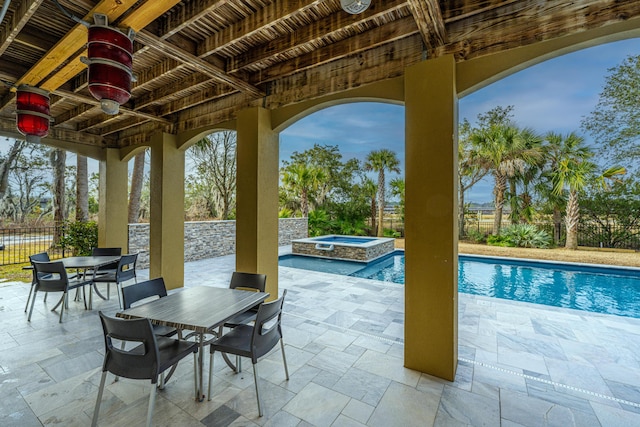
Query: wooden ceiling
x=198 y=61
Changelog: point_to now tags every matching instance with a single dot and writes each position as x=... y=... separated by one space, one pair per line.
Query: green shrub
x=388 y=232
x=477 y=236
x=526 y=236
x=80 y=237
x=499 y=240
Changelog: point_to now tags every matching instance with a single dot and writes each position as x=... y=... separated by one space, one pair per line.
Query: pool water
x=587 y=288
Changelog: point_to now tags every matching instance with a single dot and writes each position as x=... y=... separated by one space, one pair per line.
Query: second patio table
x=199 y=309
x=85 y=263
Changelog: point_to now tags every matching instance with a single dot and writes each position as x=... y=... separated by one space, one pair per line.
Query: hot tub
x=352 y=248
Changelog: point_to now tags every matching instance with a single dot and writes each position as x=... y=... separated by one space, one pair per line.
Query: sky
x=551 y=96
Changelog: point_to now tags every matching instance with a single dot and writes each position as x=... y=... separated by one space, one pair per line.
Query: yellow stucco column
x=431 y=257
x=113 y=228
x=257 y=196
x=166 y=234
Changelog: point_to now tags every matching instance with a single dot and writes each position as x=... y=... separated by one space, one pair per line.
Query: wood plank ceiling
x=198 y=61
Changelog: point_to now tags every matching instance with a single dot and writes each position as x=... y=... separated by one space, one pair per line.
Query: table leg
x=200 y=370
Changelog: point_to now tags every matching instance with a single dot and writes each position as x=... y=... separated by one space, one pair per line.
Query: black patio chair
x=145 y=291
x=41 y=257
x=52 y=277
x=148 y=358
x=125 y=271
x=247 y=282
x=253 y=341
x=109 y=268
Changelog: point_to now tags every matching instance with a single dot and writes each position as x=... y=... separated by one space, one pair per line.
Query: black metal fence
x=16 y=244
x=591 y=234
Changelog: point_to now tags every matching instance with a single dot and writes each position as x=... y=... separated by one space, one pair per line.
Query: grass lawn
x=585 y=255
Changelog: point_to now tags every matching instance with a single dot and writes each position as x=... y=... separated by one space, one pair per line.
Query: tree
x=214 y=159
x=397 y=190
x=29 y=180
x=381 y=161
x=303 y=180
x=58 y=159
x=506 y=151
x=572 y=174
x=470 y=171
x=6 y=163
x=615 y=121
x=558 y=148
x=370 y=192
x=82 y=189
x=137 y=180
x=612 y=216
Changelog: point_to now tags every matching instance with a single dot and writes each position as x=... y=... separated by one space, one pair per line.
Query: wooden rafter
x=123 y=110
x=24 y=12
x=428 y=17
x=326 y=28
x=196 y=63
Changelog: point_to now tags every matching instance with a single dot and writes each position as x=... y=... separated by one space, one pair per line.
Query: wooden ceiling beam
x=209 y=94
x=196 y=63
x=23 y=13
x=73 y=114
x=262 y=20
x=470 y=8
x=326 y=28
x=188 y=14
x=171 y=91
x=428 y=17
x=8 y=127
x=378 y=36
x=487 y=34
x=123 y=110
x=151 y=75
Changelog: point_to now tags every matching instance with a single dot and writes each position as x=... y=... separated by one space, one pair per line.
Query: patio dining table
x=201 y=309
x=89 y=263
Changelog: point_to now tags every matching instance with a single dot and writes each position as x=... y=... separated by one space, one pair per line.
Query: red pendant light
x=110 y=64
x=32 y=109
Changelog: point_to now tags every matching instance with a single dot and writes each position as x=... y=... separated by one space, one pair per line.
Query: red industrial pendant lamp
x=110 y=64
x=32 y=112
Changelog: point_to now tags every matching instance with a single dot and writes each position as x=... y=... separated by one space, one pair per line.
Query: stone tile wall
x=347 y=252
x=208 y=239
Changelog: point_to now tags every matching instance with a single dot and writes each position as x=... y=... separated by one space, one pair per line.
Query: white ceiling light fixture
x=355 y=6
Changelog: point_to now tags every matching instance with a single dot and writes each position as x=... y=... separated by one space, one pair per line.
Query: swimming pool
x=582 y=287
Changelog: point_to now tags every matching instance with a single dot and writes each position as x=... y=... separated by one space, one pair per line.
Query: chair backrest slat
x=248 y=281
x=141 y=363
x=142 y=290
x=126 y=268
x=267 y=330
x=50 y=276
x=106 y=251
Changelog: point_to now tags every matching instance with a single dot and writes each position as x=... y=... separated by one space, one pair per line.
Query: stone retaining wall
x=209 y=239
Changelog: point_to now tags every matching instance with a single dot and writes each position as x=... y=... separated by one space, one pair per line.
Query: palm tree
x=557 y=149
x=470 y=170
x=506 y=151
x=302 y=179
x=381 y=161
x=574 y=173
x=370 y=192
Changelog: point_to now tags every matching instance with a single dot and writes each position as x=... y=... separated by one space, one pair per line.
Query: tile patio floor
x=519 y=365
